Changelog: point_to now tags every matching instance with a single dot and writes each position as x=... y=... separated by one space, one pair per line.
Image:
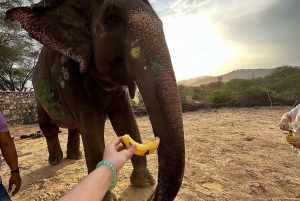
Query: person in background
x=9 y=153
x=104 y=177
x=292 y=117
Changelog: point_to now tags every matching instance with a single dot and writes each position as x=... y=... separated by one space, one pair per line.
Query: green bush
x=259 y=95
x=280 y=87
x=220 y=96
x=184 y=93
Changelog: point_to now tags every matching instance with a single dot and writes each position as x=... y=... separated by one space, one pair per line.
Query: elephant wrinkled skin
x=95 y=53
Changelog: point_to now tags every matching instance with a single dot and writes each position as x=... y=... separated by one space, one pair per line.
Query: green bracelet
x=113 y=169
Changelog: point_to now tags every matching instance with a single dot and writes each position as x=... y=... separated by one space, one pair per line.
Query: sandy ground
x=231 y=154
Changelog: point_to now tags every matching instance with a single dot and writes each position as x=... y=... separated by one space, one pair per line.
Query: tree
x=219 y=81
x=220 y=96
x=284 y=72
x=184 y=93
x=18 y=52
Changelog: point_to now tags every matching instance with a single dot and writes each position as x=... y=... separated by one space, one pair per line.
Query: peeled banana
x=141 y=149
x=291 y=137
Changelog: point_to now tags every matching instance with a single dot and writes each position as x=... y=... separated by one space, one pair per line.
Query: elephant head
x=119 y=43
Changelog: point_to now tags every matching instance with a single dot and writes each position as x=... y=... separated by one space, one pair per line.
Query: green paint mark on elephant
x=46 y=90
x=155 y=62
x=47 y=94
x=52 y=105
x=58 y=114
x=135 y=50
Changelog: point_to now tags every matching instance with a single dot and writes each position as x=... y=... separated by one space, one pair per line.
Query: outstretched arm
x=95 y=185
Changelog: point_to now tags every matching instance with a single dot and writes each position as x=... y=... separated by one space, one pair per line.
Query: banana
x=291 y=138
x=141 y=149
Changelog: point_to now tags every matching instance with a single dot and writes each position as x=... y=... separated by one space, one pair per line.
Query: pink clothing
x=3 y=124
x=3 y=128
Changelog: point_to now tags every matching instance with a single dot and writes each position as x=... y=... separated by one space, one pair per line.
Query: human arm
x=9 y=153
x=95 y=185
x=291 y=116
x=284 y=125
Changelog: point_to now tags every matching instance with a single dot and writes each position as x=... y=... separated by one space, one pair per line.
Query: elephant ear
x=59 y=25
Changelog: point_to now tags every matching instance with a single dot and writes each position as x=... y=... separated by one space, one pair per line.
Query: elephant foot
x=53 y=160
x=110 y=196
x=142 y=178
x=74 y=155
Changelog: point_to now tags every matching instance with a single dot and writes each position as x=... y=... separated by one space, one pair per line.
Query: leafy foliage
x=220 y=96
x=184 y=93
x=18 y=52
x=280 y=87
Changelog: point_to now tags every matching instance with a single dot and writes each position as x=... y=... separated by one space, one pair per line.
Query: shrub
x=184 y=93
x=220 y=96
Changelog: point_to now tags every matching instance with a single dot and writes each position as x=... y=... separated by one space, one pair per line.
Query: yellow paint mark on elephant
x=134 y=43
x=135 y=50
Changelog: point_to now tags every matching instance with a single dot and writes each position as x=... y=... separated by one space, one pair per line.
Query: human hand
x=284 y=124
x=16 y=180
x=116 y=153
x=295 y=144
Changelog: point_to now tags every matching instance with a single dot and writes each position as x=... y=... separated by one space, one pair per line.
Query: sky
x=215 y=37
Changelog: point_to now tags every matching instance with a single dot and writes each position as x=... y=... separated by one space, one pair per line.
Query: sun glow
x=194 y=47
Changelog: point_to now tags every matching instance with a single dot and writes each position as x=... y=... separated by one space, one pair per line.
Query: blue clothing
x=3 y=194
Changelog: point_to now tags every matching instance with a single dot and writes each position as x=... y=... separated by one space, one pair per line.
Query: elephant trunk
x=149 y=65
x=160 y=95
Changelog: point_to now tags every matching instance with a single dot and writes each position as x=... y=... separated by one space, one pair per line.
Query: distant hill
x=236 y=74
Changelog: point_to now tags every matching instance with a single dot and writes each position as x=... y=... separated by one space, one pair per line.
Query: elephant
x=95 y=55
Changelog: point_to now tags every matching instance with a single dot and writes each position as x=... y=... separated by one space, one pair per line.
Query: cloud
x=264 y=34
x=218 y=8
x=271 y=33
x=189 y=7
x=281 y=22
x=178 y=7
x=162 y=8
x=278 y=23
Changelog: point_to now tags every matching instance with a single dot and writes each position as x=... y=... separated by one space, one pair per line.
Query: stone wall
x=18 y=107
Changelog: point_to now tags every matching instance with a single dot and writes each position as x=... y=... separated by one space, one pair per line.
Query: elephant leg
x=109 y=196
x=93 y=144
x=92 y=134
x=51 y=134
x=123 y=122
x=73 y=146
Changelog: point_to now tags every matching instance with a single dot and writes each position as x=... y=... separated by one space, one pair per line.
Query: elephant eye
x=112 y=18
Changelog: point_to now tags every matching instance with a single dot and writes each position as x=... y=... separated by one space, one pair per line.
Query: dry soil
x=231 y=154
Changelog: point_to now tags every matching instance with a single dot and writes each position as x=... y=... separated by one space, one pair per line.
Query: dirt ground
x=231 y=154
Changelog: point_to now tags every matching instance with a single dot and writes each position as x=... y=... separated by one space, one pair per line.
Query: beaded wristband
x=113 y=169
